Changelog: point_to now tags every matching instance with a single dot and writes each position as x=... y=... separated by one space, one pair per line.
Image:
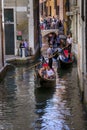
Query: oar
x=54 y=54
x=65 y=47
x=35 y=65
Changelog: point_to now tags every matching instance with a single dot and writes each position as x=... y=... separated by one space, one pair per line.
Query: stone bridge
x=47 y=31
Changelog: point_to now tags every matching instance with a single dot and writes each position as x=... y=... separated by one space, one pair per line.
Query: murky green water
x=24 y=106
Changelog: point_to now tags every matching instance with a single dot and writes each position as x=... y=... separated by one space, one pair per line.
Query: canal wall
x=82 y=78
x=85 y=92
x=23 y=60
x=10 y=62
x=4 y=70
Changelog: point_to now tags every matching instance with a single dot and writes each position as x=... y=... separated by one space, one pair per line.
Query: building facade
x=85 y=57
x=82 y=49
x=65 y=18
x=78 y=29
x=1 y=38
x=21 y=21
x=51 y=8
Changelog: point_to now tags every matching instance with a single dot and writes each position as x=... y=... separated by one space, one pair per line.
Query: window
x=50 y=11
x=55 y=4
x=82 y=10
x=57 y=10
x=8 y=15
x=75 y=2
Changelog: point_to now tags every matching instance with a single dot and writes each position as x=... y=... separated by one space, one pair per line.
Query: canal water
x=26 y=106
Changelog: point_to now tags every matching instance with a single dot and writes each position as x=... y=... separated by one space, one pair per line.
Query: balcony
x=74 y=7
x=69 y=13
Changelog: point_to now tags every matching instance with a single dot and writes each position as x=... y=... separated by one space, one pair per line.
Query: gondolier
x=69 y=42
x=49 y=54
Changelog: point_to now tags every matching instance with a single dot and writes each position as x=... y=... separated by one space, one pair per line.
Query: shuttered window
x=82 y=10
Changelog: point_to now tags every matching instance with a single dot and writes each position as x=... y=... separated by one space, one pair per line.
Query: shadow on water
x=63 y=71
x=43 y=94
x=7 y=100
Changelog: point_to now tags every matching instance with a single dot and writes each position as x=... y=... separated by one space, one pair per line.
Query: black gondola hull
x=47 y=82
x=65 y=64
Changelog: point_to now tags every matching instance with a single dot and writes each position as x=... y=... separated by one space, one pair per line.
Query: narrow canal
x=24 y=106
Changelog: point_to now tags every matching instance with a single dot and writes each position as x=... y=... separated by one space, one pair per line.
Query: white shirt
x=49 y=51
x=69 y=40
x=50 y=72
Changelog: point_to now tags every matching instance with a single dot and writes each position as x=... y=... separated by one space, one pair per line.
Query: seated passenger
x=42 y=71
x=50 y=73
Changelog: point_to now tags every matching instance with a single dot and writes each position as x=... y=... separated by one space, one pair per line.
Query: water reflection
x=25 y=106
x=7 y=102
x=50 y=109
x=42 y=98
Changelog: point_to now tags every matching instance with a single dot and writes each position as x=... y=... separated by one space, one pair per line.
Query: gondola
x=64 y=61
x=45 y=82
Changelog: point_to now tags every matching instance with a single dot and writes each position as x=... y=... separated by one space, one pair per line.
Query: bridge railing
x=47 y=31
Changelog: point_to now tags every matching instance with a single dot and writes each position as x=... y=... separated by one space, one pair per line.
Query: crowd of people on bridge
x=51 y=23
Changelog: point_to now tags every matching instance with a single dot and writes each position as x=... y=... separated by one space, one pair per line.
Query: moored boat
x=64 y=61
